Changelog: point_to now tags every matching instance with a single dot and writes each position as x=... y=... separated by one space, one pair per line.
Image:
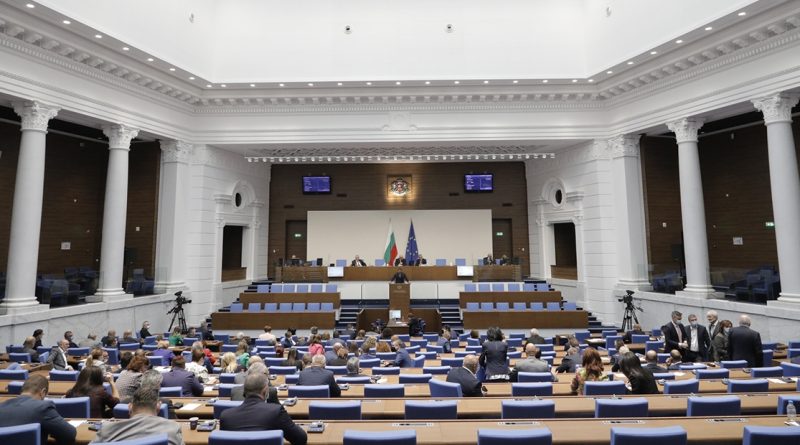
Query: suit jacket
x=720 y=347
x=24 y=409
x=256 y=415
x=745 y=344
x=420 y=262
x=493 y=358
x=568 y=363
x=703 y=341
x=470 y=386
x=535 y=339
x=628 y=337
x=528 y=365
x=57 y=360
x=188 y=382
x=712 y=332
x=403 y=359
x=360 y=262
x=643 y=384
x=400 y=277
x=488 y=261
x=314 y=375
x=138 y=427
x=445 y=344
x=399 y=262
x=671 y=340
x=653 y=367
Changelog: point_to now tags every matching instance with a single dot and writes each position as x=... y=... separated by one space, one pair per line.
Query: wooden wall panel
x=145 y=165
x=363 y=187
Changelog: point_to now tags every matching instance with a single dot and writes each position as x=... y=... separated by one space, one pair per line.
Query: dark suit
x=493 y=358
x=628 y=337
x=314 y=375
x=745 y=344
x=703 y=344
x=399 y=262
x=24 y=409
x=420 y=262
x=568 y=363
x=256 y=415
x=358 y=262
x=188 y=382
x=488 y=261
x=535 y=339
x=403 y=359
x=653 y=367
x=399 y=277
x=643 y=384
x=470 y=386
x=57 y=360
x=671 y=339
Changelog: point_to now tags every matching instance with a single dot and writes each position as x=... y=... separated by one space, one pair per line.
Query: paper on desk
x=162 y=368
x=76 y=423
x=679 y=374
x=382 y=380
x=777 y=381
x=208 y=388
x=190 y=407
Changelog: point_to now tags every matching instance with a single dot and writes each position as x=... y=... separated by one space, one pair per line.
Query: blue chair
x=236 y=307
x=441 y=262
x=604 y=388
x=640 y=338
x=384 y=391
x=15 y=387
x=748 y=385
x=733 y=364
x=221 y=405
x=128 y=346
x=570 y=306
x=224 y=437
x=331 y=288
x=270 y=307
x=337 y=370
x=78 y=352
x=225 y=389
x=653 y=345
x=519 y=306
x=276 y=288
x=528 y=287
x=689 y=386
x=316 y=288
x=77 y=407
x=662 y=357
x=122 y=411
x=514 y=287
x=611 y=340
x=528 y=409
x=714 y=406
x=170 y=391
x=535 y=436
x=283 y=370
x=770 y=371
x=19 y=357
x=302 y=288
x=487 y=306
x=229 y=348
x=691 y=366
x=359 y=379
x=292 y=379
x=314 y=307
x=436 y=370
x=470 y=287
x=262 y=288
x=30 y=434
x=502 y=306
x=370 y=363
x=434 y=349
x=767 y=355
x=709 y=374
x=379 y=262
x=439 y=388
x=389 y=370
x=628 y=407
x=227 y=377
x=790 y=369
x=431 y=409
x=289 y=288
x=298 y=307
x=415 y=378
x=540 y=389
x=254 y=307
x=498 y=287
x=472 y=306
x=284 y=307
x=348 y=410
x=397 y=437
x=157 y=360
x=582 y=336
x=670 y=435
x=553 y=306
x=484 y=287
x=784 y=400
x=524 y=377
x=461 y=261
x=326 y=307
x=13 y=374
x=312 y=391
x=770 y=435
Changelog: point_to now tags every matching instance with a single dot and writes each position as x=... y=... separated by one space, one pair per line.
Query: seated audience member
x=637 y=330
x=315 y=346
x=535 y=338
x=110 y=339
x=719 y=344
x=90 y=384
x=209 y=361
x=403 y=358
x=130 y=378
x=358 y=262
x=198 y=365
x=144 y=421
x=31 y=407
x=466 y=377
x=414 y=325
x=228 y=363
x=164 y=351
x=292 y=360
x=333 y=354
x=420 y=261
x=400 y=261
x=444 y=341
x=145 y=331
x=651 y=357
x=128 y=338
x=255 y=415
x=341 y=358
x=353 y=367
x=570 y=361
x=494 y=355
x=383 y=346
x=268 y=336
x=255 y=367
x=591 y=371
x=361 y=334
x=621 y=349
x=488 y=260
x=89 y=342
x=38 y=334
x=475 y=334
x=58 y=356
x=640 y=380
x=68 y=337
x=572 y=342
x=175 y=338
x=367 y=349
x=125 y=358
x=532 y=362
x=386 y=333
x=675 y=359
x=352 y=348
x=316 y=374
x=179 y=376
x=97 y=357
x=287 y=341
x=28 y=347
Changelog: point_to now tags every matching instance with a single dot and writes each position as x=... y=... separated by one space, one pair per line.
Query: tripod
x=629 y=318
x=178 y=314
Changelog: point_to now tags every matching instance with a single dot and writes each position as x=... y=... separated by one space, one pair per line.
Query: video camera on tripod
x=180 y=300
x=630 y=310
x=177 y=311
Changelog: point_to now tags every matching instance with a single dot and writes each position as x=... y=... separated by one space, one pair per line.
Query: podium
x=400 y=298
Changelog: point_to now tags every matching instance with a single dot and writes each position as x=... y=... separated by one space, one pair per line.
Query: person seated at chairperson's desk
x=400 y=261
x=358 y=262
x=399 y=277
x=420 y=261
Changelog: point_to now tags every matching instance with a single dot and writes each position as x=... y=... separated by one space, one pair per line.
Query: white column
x=626 y=172
x=173 y=206
x=114 y=213
x=785 y=183
x=693 y=212
x=26 y=216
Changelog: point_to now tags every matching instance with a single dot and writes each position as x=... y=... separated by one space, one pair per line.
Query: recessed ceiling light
x=742 y=14
x=149 y=59
x=653 y=53
x=709 y=28
x=679 y=41
x=456 y=82
x=398 y=83
x=369 y=83
x=485 y=82
x=427 y=82
x=545 y=81
x=191 y=78
x=574 y=80
x=281 y=85
x=515 y=81
x=224 y=86
x=252 y=85
x=208 y=85
x=630 y=62
x=30 y=5
x=172 y=69
x=609 y=72
x=98 y=36
x=591 y=80
x=310 y=84
x=339 y=83
x=125 y=48
x=66 y=22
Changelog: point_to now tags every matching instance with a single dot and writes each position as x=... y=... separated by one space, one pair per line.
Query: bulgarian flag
x=390 y=253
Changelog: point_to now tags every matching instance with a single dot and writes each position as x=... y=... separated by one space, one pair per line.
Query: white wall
x=445 y=234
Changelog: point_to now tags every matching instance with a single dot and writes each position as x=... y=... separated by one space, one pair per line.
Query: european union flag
x=412 y=252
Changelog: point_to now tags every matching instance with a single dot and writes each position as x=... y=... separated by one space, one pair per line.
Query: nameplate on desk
x=626 y=422
x=190 y=407
x=734 y=420
x=518 y=423
x=414 y=424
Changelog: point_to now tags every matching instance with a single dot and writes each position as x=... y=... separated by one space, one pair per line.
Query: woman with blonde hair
x=243 y=353
x=228 y=363
x=591 y=371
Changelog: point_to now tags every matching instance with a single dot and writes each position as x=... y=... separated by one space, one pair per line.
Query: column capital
x=119 y=136
x=35 y=115
x=777 y=108
x=686 y=129
x=176 y=151
x=624 y=145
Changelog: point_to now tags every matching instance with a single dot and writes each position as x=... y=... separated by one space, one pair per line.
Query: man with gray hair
x=316 y=374
x=535 y=338
x=353 y=367
x=144 y=420
x=713 y=323
x=254 y=367
x=745 y=344
x=255 y=415
x=465 y=376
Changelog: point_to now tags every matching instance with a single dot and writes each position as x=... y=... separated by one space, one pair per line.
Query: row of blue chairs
x=283 y=307
x=299 y=288
x=503 y=287
x=520 y=306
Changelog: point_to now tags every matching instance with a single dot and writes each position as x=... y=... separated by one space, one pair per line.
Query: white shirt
x=693 y=334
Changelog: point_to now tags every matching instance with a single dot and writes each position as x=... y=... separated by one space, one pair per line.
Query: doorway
x=566 y=256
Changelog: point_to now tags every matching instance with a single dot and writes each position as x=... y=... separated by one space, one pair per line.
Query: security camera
x=449 y=28
x=347 y=29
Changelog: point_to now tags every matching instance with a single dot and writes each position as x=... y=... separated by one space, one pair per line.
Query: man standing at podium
x=399 y=277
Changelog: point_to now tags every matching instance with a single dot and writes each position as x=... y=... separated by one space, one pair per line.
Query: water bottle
x=791 y=412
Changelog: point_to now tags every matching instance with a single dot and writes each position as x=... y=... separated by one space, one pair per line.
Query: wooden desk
x=278 y=320
x=525 y=319
x=508 y=297
x=367 y=316
x=415 y=273
x=497 y=273
x=291 y=297
x=301 y=274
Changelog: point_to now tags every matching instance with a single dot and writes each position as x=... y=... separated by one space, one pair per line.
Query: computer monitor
x=395 y=314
